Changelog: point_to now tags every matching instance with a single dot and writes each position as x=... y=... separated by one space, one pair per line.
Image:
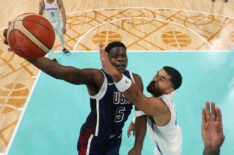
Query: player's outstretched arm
x=151 y=106
x=93 y=78
x=212 y=129
x=68 y=73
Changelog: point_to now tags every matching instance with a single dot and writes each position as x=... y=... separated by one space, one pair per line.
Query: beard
x=152 y=89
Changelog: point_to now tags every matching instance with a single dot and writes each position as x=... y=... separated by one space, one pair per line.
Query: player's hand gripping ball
x=30 y=36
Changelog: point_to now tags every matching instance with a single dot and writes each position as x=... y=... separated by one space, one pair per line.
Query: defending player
x=164 y=131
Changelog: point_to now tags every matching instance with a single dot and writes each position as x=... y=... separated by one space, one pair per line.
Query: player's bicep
x=81 y=76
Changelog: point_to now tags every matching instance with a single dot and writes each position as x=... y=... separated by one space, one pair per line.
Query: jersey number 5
x=119 y=115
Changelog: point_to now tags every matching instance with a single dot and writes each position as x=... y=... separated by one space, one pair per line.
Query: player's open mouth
x=121 y=66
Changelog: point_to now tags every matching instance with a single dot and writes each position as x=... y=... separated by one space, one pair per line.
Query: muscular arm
x=140 y=123
x=40 y=8
x=93 y=78
x=151 y=106
x=140 y=126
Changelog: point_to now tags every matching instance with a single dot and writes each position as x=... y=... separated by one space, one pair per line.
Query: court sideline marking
x=101 y=9
x=21 y=116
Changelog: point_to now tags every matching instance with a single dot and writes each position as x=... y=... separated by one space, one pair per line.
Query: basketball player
x=52 y=9
x=101 y=133
x=212 y=129
x=163 y=129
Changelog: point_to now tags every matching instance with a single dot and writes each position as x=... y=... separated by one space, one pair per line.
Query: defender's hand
x=212 y=128
x=132 y=129
x=106 y=64
x=134 y=151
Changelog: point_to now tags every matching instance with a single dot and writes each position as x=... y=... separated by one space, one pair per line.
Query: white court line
x=112 y=21
x=121 y=8
x=21 y=116
x=173 y=9
x=147 y=17
x=20 y=109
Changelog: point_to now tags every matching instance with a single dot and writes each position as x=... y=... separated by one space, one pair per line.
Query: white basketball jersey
x=51 y=11
x=167 y=140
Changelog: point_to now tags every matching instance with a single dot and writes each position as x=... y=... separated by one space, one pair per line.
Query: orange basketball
x=30 y=36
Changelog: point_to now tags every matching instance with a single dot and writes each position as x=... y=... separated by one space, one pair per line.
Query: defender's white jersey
x=52 y=11
x=167 y=140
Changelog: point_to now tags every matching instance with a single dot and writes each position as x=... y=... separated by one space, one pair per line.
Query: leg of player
x=62 y=39
x=61 y=36
x=114 y=145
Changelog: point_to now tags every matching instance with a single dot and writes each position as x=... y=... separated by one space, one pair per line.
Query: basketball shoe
x=66 y=51
x=54 y=59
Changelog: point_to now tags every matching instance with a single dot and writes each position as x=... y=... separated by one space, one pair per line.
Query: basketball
x=30 y=36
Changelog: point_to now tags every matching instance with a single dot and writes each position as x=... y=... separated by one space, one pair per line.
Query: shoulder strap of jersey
x=103 y=88
x=108 y=77
x=129 y=75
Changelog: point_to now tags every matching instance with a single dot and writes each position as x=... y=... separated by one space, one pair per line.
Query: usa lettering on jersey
x=118 y=98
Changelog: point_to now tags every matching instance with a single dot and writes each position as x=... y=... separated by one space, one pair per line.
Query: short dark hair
x=114 y=44
x=176 y=78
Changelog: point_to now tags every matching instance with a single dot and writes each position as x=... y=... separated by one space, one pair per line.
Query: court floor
x=149 y=26
x=56 y=110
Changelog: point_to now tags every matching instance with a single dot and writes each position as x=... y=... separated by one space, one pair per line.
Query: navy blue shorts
x=89 y=144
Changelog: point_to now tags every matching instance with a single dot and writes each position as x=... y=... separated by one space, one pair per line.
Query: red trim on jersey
x=84 y=142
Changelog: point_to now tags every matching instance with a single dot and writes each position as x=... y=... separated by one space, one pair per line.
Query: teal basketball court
x=56 y=109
